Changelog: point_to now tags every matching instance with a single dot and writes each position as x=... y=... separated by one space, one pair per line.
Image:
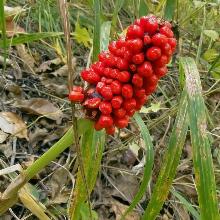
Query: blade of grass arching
x=117 y=8
x=199 y=50
x=3 y=29
x=170 y=9
x=143 y=9
x=148 y=164
x=9 y=196
x=187 y=204
x=27 y=38
x=171 y=161
x=97 y=30
x=105 y=32
x=202 y=157
x=160 y=5
x=92 y=148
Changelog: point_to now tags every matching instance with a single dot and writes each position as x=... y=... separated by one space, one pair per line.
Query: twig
x=66 y=26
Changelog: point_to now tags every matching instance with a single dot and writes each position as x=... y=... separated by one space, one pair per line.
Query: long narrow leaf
x=143 y=9
x=202 y=157
x=27 y=38
x=170 y=9
x=97 y=28
x=148 y=165
x=118 y=6
x=92 y=144
x=171 y=161
x=3 y=29
x=187 y=204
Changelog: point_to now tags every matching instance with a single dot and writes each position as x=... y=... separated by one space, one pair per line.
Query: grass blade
x=143 y=9
x=27 y=38
x=188 y=205
x=105 y=32
x=118 y=6
x=170 y=9
x=171 y=161
x=148 y=166
x=92 y=144
x=202 y=157
x=3 y=29
x=97 y=30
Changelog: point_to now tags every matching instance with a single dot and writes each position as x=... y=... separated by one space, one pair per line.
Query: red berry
x=90 y=76
x=153 y=53
x=121 y=42
x=97 y=126
x=133 y=67
x=140 y=102
x=77 y=89
x=112 y=47
x=159 y=39
x=166 y=49
x=99 y=86
x=152 y=80
x=106 y=92
x=131 y=112
x=149 y=23
x=160 y=71
x=137 y=80
x=150 y=89
x=166 y=31
x=134 y=31
x=172 y=42
x=138 y=58
x=122 y=64
x=116 y=102
x=114 y=73
x=116 y=87
x=127 y=91
x=123 y=76
x=135 y=45
x=162 y=61
x=98 y=67
x=129 y=104
x=90 y=92
x=76 y=96
x=105 y=107
x=128 y=55
x=167 y=23
x=110 y=130
x=145 y=69
x=119 y=113
x=92 y=103
x=139 y=93
x=147 y=40
x=107 y=58
x=105 y=121
x=108 y=81
x=121 y=122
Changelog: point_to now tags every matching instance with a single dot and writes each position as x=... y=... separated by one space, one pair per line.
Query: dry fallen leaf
x=119 y=209
x=28 y=60
x=3 y=136
x=12 y=123
x=47 y=65
x=40 y=106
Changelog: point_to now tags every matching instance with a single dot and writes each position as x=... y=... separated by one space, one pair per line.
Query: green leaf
x=214 y=35
x=105 y=32
x=97 y=30
x=92 y=146
x=118 y=5
x=155 y=107
x=170 y=9
x=187 y=204
x=210 y=55
x=82 y=35
x=143 y=9
x=3 y=30
x=171 y=161
x=27 y=38
x=148 y=166
x=202 y=157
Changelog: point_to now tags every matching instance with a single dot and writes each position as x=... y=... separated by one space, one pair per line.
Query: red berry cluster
x=126 y=74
